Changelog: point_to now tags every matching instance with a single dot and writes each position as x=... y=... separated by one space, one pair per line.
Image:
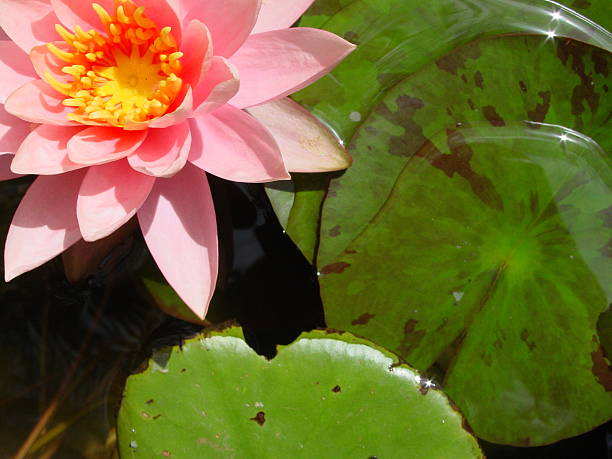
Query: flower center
x=129 y=75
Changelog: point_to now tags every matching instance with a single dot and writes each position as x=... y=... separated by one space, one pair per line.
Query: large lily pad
x=325 y=394
x=409 y=100
x=480 y=245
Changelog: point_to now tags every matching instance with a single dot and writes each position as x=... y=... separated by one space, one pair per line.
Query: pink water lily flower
x=120 y=106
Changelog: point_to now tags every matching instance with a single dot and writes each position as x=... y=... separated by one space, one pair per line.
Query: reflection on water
x=400 y=40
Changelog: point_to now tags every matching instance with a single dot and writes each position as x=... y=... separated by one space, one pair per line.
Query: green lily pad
x=398 y=37
x=481 y=247
x=324 y=394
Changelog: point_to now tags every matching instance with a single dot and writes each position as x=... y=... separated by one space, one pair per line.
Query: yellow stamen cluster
x=129 y=75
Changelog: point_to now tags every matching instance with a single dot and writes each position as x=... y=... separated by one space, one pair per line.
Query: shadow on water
x=66 y=349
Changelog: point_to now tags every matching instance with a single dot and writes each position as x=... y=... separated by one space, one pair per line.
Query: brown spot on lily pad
x=451 y=63
x=148 y=402
x=336 y=389
x=601 y=369
x=259 y=418
x=492 y=116
x=606 y=216
x=335 y=231
x=585 y=91
x=606 y=250
x=363 y=319
x=412 y=337
x=335 y=268
x=404 y=145
x=523 y=86
x=525 y=338
x=479 y=80
x=538 y=114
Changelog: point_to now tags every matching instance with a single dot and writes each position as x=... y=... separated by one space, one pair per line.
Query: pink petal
x=28 y=22
x=72 y=13
x=44 y=61
x=80 y=12
x=44 y=224
x=109 y=196
x=99 y=145
x=165 y=151
x=5 y=167
x=15 y=68
x=12 y=132
x=197 y=50
x=230 y=21
x=220 y=85
x=45 y=152
x=38 y=102
x=279 y=14
x=278 y=63
x=233 y=145
x=306 y=144
x=178 y=223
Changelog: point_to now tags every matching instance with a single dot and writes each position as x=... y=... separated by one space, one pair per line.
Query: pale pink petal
x=180 y=229
x=279 y=14
x=233 y=145
x=306 y=144
x=278 y=63
x=45 y=151
x=72 y=13
x=109 y=196
x=165 y=151
x=99 y=145
x=197 y=50
x=176 y=116
x=12 y=132
x=37 y=102
x=230 y=21
x=220 y=85
x=15 y=68
x=44 y=224
x=45 y=61
x=79 y=12
x=28 y=22
x=5 y=167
